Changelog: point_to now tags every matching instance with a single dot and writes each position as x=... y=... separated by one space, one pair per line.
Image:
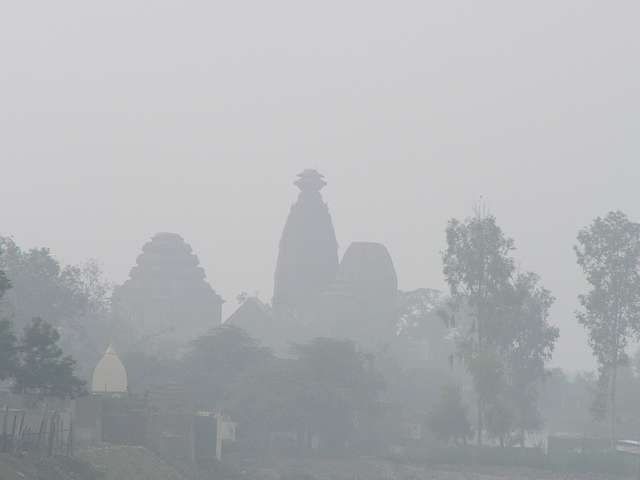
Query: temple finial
x=310 y=180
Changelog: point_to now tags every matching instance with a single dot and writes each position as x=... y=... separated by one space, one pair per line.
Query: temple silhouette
x=307 y=258
x=317 y=295
x=167 y=296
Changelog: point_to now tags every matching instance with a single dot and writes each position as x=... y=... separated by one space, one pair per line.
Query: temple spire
x=308 y=255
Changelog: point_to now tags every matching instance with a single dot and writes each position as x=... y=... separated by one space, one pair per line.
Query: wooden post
x=21 y=429
x=4 y=429
x=70 y=439
x=52 y=433
x=43 y=424
x=13 y=432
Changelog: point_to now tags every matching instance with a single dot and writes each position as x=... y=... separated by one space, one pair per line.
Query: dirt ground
x=372 y=469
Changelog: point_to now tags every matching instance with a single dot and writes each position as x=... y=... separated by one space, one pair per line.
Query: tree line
x=493 y=325
x=501 y=315
x=34 y=362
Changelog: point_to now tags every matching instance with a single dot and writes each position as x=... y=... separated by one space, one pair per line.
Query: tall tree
x=478 y=267
x=608 y=251
x=43 y=370
x=528 y=341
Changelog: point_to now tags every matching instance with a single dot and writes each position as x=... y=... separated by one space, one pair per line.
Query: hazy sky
x=119 y=119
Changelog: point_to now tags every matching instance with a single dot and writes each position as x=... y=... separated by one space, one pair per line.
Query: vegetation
x=331 y=394
x=36 y=364
x=507 y=340
x=608 y=252
x=449 y=419
x=8 y=350
x=43 y=370
x=72 y=298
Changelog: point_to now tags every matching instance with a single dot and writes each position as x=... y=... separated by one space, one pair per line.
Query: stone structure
x=308 y=255
x=361 y=304
x=256 y=318
x=109 y=376
x=167 y=298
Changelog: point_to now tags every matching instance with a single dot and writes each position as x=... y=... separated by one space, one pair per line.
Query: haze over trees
x=35 y=363
x=343 y=362
x=43 y=370
x=508 y=339
x=608 y=252
x=72 y=298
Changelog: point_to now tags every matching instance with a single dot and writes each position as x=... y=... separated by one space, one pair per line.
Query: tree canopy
x=73 y=298
x=608 y=251
x=508 y=339
x=43 y=369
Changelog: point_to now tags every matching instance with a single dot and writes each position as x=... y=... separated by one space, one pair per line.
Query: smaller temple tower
x=167 y=299
x=361 y=303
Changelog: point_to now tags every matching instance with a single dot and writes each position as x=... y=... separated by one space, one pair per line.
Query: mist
x=121 y=120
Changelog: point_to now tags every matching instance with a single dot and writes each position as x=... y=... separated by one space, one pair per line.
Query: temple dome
x=361 y=303
x=109 y=376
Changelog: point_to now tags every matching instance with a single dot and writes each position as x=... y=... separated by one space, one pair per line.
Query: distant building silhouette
x=308 y=256
x=167 y=298
x=256 y=318
x=361 y=303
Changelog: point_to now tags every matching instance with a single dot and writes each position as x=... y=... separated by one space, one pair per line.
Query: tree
x=608 y=251
x=8 y=350
x=499 y=419
x=8 y=360
x=336 y=387
x=216 y=360
x=43 y=370
x=528 y=342
x=449 y=418
x=478 y=267
x=73 y=298
x=5 y=284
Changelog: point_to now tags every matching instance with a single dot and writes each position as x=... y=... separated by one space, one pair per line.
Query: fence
x=48 y=434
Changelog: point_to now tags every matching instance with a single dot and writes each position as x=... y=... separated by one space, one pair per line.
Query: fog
x=122 y=119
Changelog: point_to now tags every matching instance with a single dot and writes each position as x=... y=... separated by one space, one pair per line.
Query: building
x=110 y=375
x=307 y=258
x=167 y=298
x=361 y=304
x=256 y=319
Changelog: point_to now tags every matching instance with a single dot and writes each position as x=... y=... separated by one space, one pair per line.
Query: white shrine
x=109 y=376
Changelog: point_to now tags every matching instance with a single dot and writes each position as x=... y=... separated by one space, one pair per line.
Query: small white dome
x=109 y=376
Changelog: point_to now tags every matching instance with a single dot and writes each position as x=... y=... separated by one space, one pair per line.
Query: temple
x=361 y=303
x=109 y=376
x=308 y=255
x=167 y=297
